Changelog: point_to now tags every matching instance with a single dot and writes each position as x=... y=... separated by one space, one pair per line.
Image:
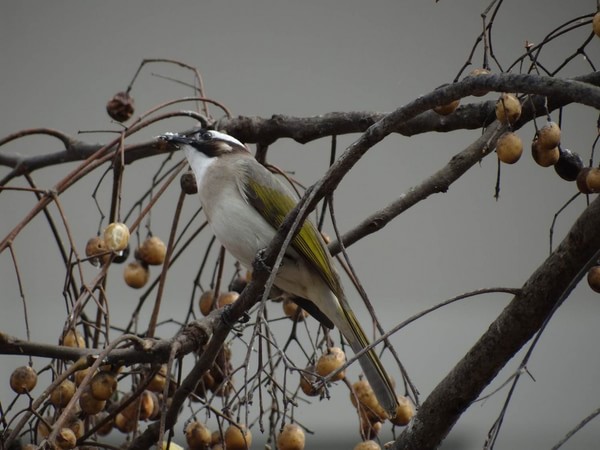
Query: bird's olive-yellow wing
x=273 y=203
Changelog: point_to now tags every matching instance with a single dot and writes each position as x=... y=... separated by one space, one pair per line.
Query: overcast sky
x=62 y=61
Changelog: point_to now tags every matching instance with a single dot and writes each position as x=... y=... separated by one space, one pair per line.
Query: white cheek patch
x=199 y=162
x=225 y=147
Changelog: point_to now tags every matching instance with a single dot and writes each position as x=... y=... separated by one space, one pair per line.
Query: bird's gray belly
x=243 y=232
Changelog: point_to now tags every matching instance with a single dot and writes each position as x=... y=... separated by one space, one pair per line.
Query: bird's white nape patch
x=226 y=138
x=199 y=162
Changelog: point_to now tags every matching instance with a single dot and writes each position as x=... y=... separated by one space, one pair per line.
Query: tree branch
x=471 y=116
x=265 y=131
x=519 y=321
x=149 y=351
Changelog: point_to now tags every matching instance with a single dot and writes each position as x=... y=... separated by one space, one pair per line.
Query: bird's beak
x=175 y=139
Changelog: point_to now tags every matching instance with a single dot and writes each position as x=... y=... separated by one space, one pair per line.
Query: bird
x=245 y=204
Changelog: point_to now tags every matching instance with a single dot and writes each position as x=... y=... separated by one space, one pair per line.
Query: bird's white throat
x=199 y=163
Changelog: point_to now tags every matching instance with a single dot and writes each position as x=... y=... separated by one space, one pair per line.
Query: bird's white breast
x=235 y=223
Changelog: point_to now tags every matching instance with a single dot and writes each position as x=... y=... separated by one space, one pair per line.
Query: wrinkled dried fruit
x=291 y=438
x=216 y=438
x=592 y=179
x=155 y=413
x=367 y=445
x=89 y=404
x=368 y=401
x=596 y=24
x=197 y=436
x=237 y=438
x=74 y=339
x=153 y=251
x=125 y=424
x=548 y=136
x=23 y=379
x=77 y=426
x=103 y=385
x=508 y=109
x=593 y=278
x=62 y=394
x=307 y=380
x=206 y=302
x=116 y=236
x=509 y=148
x=369 y=429
x=121 y=107
x=96 y=250
x=136 y=274
x=477 y=72
x=581 y=181
x=66 y=439
x=80 y=375
x=158 y=381
x=147 y=404
x=330 y=361
x=187 y=181
x=293 y=311
x=404 y=412
x=142 y=407
x=544 y=157
x=227 y=298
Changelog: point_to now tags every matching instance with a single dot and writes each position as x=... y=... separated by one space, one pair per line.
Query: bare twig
x=440 y=181
x=163 y=274
x=579 y=426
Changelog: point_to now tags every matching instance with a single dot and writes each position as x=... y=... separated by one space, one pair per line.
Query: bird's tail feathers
x=371 y=365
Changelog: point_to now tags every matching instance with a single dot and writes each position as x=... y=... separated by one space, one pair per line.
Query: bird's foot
x=227 y=319
x=259 y=261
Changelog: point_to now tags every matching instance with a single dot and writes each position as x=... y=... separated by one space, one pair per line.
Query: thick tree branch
x=306 y=129
x=471 y=116
x=519 y=321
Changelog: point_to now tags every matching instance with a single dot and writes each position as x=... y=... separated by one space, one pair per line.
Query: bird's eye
x=206 y=136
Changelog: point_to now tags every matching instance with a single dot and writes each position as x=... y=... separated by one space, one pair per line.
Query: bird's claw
x=245 y=318
x=259 y=261
x=226 y=317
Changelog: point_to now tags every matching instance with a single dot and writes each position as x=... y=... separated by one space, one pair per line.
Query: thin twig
x=578 y=427
x=163 y=274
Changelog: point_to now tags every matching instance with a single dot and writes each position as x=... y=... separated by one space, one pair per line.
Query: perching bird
x=245 y=204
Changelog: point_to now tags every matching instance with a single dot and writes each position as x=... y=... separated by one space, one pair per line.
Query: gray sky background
x=61 y=62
